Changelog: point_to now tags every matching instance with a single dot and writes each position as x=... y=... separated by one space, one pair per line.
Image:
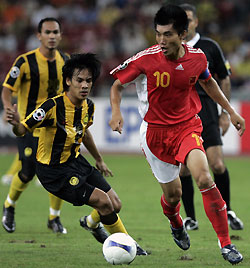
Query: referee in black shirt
x=214 y=125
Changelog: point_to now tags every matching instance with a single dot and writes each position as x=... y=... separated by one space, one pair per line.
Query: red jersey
x=165 y=88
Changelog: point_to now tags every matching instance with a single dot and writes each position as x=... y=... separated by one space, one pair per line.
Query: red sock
x=216 y=210
x=173 y=213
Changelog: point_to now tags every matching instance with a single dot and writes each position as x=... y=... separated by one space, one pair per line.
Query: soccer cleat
x=181 y=238
x=56 y=226
x=99 y=232
x=231 y=254
x=140 y=251
x=234 y=222
x=8 y=219
x=190 y=224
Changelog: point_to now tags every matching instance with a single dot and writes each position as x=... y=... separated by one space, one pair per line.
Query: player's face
x=79 y=86
x=193 y=23
x=169 y=40
x=50 y=35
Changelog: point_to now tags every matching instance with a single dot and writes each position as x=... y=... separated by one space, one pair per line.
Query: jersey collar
x=195 y=39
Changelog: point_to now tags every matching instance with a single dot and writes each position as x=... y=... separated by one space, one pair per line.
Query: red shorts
x=172 y=144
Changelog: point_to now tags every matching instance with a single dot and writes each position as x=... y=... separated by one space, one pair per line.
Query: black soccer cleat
x=99 y=232
x=8 y=219
x=140 y=251
x=231 y=254
x=181 y=238
x=234 y=222
x=190 y=224
x=56 y=226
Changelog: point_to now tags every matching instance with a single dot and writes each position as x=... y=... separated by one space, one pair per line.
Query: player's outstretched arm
x=213 y=90
x=90 y=145
x=116 y=122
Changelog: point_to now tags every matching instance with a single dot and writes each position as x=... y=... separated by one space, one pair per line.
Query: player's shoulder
x=148 y=52
x=193 y=50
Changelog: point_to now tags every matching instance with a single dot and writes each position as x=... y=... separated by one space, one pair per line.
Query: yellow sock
x=16 y=189
x=95 y=215
x=15 y=166
x=116 y=227
x=55 y=206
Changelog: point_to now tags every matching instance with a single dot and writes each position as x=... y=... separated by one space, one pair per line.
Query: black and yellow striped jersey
x=62 y=127
x=34 y=79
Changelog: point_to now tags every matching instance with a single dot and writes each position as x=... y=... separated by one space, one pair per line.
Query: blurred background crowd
x=117 y=29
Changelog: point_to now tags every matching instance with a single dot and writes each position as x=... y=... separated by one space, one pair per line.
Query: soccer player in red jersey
x=165 y=75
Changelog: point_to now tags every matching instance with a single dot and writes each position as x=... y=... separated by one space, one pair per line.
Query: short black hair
x=172 y=14
x=79 y=62
x=189 y=7
x=40 y=24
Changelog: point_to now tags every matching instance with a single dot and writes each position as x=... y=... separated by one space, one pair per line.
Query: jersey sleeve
x=127 y=71
x=41 y=117
x=91 y=110
x=15 y=75
x=205 y=74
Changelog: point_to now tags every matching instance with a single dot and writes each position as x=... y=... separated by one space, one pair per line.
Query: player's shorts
x=73 y=181
x=165 y=147
x=210 y=120
x=27 y=147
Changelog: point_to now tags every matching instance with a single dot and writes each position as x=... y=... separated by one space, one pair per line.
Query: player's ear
x=38 y=35
x=183 y=35
x=68 y=81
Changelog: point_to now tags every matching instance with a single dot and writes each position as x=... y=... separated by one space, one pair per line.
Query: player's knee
x=204 y=180
x=218 y=167
x=25 y=178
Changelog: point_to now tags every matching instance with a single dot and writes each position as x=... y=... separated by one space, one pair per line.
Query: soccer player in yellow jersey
x=34 y=77
x=62 y=170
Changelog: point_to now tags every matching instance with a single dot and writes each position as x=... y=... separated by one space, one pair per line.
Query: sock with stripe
x=172 y=213
x=216 y=210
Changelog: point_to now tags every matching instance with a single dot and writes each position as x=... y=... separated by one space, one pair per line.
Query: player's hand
x=239 y=122
x=12 y=116
x=224 y=122
x=116 y=123
x=103 y=168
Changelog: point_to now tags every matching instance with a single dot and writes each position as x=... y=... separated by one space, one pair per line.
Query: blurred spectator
x=114 y=29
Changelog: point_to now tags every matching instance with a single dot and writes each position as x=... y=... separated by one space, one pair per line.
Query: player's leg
x=54 y=222
x=222 y=180
x=190 y=222
x=20 y=181
x=13 y=169
x=214 y=205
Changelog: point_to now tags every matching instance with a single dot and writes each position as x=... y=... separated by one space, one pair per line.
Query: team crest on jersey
x=15 y=71
x=74 y=181
x=192 y=80
x=39 y=114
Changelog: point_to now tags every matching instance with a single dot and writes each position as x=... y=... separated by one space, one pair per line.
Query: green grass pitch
x=32 y=245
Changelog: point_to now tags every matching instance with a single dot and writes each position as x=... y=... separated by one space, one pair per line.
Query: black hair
x=79 y=62
x=172 y=14
x=40 y=24
x=189 y=7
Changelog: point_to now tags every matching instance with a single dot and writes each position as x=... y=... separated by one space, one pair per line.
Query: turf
x=32 y=245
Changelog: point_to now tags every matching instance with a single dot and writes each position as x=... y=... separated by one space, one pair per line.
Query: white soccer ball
x=119 y=248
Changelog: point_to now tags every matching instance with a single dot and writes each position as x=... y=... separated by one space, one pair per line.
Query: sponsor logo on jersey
x=123 y=66
x=39 y=114
x=15 y=71
x=74 y=181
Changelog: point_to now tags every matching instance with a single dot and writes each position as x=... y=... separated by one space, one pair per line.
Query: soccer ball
x=119 y=248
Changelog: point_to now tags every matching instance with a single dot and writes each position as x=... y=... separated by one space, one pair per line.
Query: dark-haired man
x=34 y=76
x=213 y=124
x=165 y=76
x=61 y=169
